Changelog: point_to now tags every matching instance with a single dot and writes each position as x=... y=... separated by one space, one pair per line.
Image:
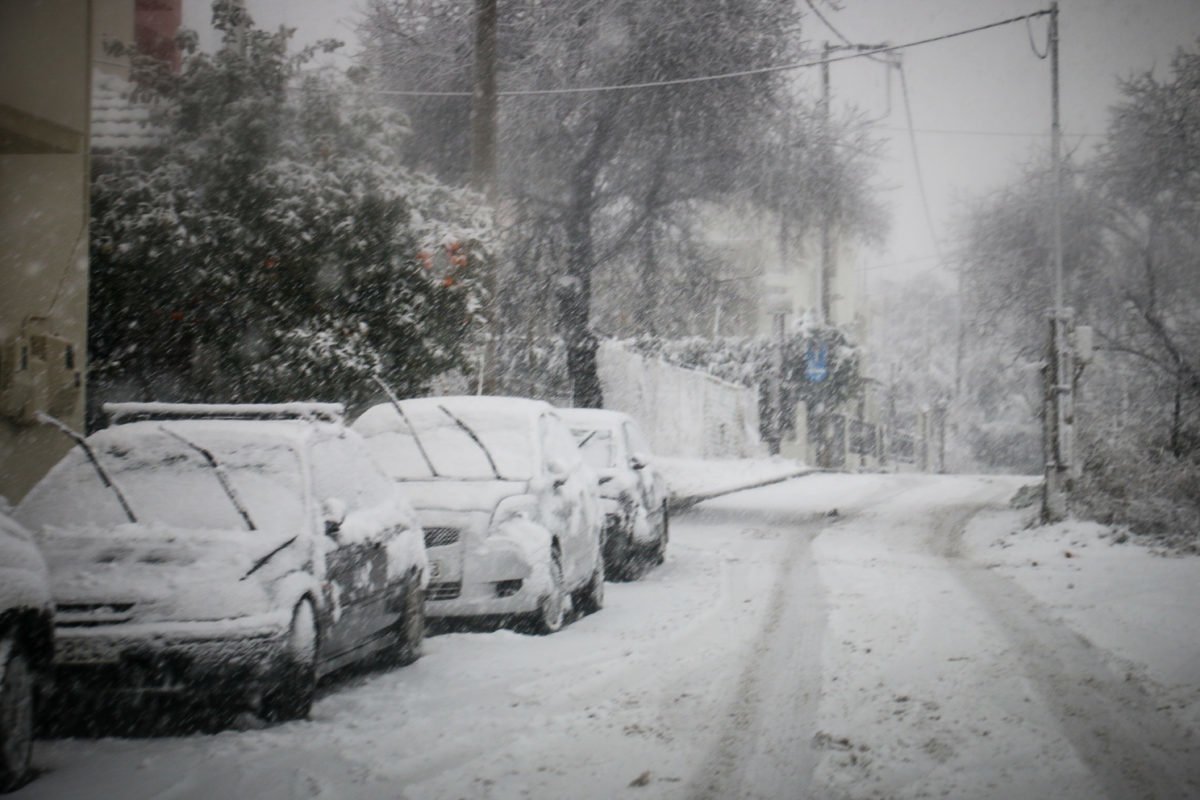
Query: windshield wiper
x=586 y=439
x=267 y=558
x=474 y=438
x=411 y=428
x=104 y=477
x=222 y=478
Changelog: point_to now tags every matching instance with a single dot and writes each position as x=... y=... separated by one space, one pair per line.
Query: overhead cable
x=912 y=138
x=719 y=76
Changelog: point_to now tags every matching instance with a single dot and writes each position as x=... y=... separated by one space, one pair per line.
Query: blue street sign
x=816 y=363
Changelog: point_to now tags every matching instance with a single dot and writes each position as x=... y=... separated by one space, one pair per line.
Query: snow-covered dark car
x=510 y=511
x=26 y=645
x=237 y=551
x=633 y=493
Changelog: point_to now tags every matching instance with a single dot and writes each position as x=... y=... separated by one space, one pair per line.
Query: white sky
x=989 y=84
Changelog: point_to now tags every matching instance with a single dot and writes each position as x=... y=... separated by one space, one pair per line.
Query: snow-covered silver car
x=633 y=493
x=230 y=551
x=26 y=645
x=510 y=511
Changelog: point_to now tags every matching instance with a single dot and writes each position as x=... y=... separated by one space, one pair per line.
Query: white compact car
x=231 y=551
x=26 y=645
x=633 y=493
x=510 y=511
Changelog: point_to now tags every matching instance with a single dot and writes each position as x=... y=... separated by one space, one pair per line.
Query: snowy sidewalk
x=692 y=480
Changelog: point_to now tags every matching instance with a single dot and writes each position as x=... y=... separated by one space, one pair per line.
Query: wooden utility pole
x=828 y=266
x=484 y=106
x=1059 y=412
x=484 y=123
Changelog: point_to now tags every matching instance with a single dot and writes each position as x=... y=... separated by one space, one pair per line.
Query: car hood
x=460 y=496
x=154 y=573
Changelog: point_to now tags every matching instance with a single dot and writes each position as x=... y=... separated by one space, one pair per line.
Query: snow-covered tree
x=601 y=188
x=273 y=245
x=1132 y=246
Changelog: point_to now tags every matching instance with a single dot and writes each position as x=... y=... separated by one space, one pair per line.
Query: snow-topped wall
x=683 y=412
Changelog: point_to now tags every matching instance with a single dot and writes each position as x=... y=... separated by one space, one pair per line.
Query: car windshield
x=597 y=446
x=169 y=483
x=505 y=435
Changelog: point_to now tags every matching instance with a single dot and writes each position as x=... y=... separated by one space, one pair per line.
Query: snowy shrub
x=751 y=361
x=272 y=246
x=1146 y=489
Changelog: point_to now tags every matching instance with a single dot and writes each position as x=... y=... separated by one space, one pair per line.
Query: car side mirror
x=333 y=512
x=638 y=462
x=557 y=472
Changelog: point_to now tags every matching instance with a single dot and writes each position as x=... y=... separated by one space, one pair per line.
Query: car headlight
x=518 y=506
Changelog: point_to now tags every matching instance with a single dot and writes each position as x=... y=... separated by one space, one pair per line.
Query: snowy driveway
x=782 y=651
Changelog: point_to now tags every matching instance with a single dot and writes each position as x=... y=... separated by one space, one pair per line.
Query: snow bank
x=691 y=480
x=1138 y=606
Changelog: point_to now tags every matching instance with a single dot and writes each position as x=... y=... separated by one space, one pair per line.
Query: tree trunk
x=575 y=291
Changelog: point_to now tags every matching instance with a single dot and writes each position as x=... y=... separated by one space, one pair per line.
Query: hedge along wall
x=683 y=412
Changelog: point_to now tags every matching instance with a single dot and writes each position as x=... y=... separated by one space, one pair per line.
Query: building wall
x=44 y=80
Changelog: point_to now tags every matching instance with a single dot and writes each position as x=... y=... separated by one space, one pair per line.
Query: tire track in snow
x=763 y=748
x=1133 y=750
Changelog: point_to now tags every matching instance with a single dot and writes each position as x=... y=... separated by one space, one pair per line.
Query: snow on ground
x=694 y=479
x=835 y=636
x=985 y=667
x=1140 y=607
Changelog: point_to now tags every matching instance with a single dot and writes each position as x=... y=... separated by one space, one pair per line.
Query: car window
x=342 y=468
x=506 y=437
x=558 y=446
x=167 y=482
x=598 y=446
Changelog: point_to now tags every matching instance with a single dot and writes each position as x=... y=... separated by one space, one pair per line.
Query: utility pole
x=484 y=116
x=1059 y=411
x=484 y=106
x=828 y=267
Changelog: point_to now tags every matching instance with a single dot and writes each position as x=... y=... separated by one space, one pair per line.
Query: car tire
x=624 y=556
x=552 y=607
x=660 y=547
x=16 y=715
x=291 y=697
x=591 y=597
x=410 y=628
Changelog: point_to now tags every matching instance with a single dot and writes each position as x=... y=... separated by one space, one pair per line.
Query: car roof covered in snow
x=383 y=417
x=122 y=413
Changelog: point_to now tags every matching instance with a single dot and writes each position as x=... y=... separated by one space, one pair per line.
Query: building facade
x=49 y=52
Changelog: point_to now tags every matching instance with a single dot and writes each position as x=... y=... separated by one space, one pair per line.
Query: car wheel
x=660 y=547
x=410 y=628
x=16 y=715
x=623 y=557
x=292 y=695
x=552 y=608
x=591 y=599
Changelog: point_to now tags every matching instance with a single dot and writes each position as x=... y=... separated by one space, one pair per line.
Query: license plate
x=85 y=651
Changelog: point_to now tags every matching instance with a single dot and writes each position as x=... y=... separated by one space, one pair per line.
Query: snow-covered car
x=633 y=493
x=237 y=552
x=510 y=511
x=26 y=645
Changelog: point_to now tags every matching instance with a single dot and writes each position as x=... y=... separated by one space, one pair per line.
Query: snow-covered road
x=898 y=647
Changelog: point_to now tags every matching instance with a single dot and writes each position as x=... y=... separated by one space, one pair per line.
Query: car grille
x=443 y=591
x=90 y=615
x=436 y=537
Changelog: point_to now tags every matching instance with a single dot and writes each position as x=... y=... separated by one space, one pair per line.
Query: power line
x=1014 y=134
x=723 y=75
x=912 y=138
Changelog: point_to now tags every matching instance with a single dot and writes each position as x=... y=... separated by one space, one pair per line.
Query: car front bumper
x=205 y=657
